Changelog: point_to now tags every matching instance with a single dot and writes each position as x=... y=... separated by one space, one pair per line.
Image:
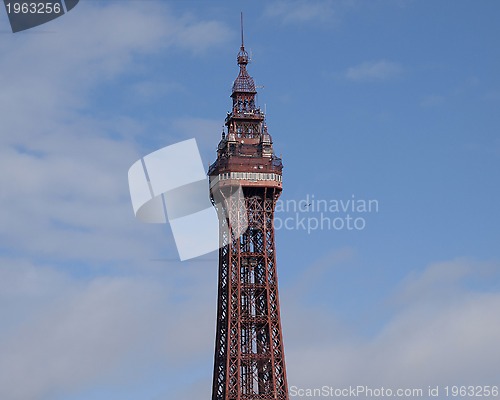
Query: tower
x=249 y=358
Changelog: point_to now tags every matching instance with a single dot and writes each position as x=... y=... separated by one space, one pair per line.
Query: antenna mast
x=242 y=41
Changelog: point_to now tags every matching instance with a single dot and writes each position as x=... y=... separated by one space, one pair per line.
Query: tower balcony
x=256 y=114
x=247 y=164
x=247 y=179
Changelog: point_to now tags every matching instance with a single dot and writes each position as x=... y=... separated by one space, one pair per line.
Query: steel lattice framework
x=249 y=357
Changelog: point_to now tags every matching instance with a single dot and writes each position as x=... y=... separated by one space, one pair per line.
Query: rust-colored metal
x=249 y=358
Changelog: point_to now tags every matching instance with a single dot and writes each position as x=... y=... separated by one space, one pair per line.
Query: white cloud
x=201 y=36
x=69 y=334
x=64 y=171
x=74 y=58
x=65 y=202
x=81 y=334
x=441 y=333
x=374 y=71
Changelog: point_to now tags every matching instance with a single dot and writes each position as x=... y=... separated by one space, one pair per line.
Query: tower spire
x=244 y=82
x=242 y=54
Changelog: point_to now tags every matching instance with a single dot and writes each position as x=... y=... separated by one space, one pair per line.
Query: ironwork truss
x=249 y=357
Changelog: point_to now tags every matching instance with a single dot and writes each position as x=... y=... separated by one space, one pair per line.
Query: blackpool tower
x=249 y=358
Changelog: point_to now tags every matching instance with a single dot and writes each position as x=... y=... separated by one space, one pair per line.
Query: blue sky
x=392 y=100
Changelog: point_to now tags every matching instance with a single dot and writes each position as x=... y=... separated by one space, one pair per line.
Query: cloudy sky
x=394 y=101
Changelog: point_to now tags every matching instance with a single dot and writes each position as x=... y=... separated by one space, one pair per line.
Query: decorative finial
x=244 y=82
x=242 y=55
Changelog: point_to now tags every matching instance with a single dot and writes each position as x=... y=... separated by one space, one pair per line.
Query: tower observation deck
x=249 y=360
